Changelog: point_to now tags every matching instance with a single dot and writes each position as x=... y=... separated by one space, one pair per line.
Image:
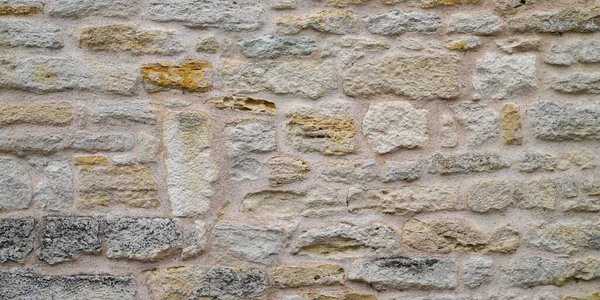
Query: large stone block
x=570 y=121
x=101 y=8
x=21 y=7
x=464 y=163
x=284 y=204
x=15 y=185
x=577 y=83
x=249 y=136
x=41 y=113
x=565 y=237
x=63 y=238
x=16 y=239
x=534 y=271
x=565 y=20
x=410 y=199
x=123 y=37
x=397 y=22
x=19 y=33
x=479 y=24
x=191 y=75
x=260 y=244
x=339 y=21
x=583 y=51
x=309 y=275
x=500 y=76
x=271 y=46
x=481 y=122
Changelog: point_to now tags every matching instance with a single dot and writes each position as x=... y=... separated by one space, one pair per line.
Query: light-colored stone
x=537 y=193
x=534 y=161
x=207 y=44
x=478 y=24
x=192 y=75
x=245 y=168
x=145 y=239
x=443 y=236
x=195 y=240
x=272 y=46
x=465 y=43
x=101 y=8
x=511 y=124
x=121 y=112
x=346 y=240
x=40 y=113
x=191 y=173
x=282 y=204
x=500 y=76
x=393 y=125
x=462 y=163
x=55 y=192
x=48 y=143
x=308 y=275
x=260 y=244
x=417 y=77
x=396 y=22
x=20 y=33
x=480 y=121
x=342 y=3
x=448 y=132
x=565 y=237
x=435 y=3
x=21 y=7
x=408 y=171
x=304 y=78
x=16 y=239
x=583 y=158
x=577 y=83
x=220 y=14
x=244 y=104
x=570 y=121
x=338 y=21
x=287 y=169
x=283 y=4
x=411 y=199
x=401 y=272
x=477 y=271
x=348 y=171
x=324 y=295
x=490 y=196
x=583 y=51
x=519 y=44
x=123 y=37
x=534 y=271
x=15 y=185
x=592 y=296
x=572 y=19
x=249 y=136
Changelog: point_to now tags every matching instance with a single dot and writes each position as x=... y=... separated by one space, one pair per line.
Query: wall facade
x=297 y=149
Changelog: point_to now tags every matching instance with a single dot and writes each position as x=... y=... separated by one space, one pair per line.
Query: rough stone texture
x=307 y=79
x=571 y=121
x=271 y=46
x=500 y=76
x=478 y=271
x=15 y=186
x=346 y=240
x=566 y=20
x=577 y=83
x=195 y=240
x=220 y=14
x=25 y=284
x=276 y=204
x=191 y=75
x=287 y=170
x=490 y=195
x=42 y=113
x=592 y=296
x=348 y=171
x=448 y=236
x=145 y=239
x=245 y=168
x=187 y=136
x=245 y=104
x=565 y=237
x=122 y=37
x=465 y=163
x=511 y=124
x=44 y=74
x=583 y=51
x=392 y=125
x=466 y=43
x=407 y=171
x=478 y=24
x=481 y=122
x=92 y=142
x=448 y=132
x=397 y=22
x=346 y=295
x=327 y=130
x=543 y=162
x=250 y=136
x=252 y=243
x=401 y=272
x=418 y=77
x=21 y=7
x=411 y=199
x=519 y=44
x=62 y=238
x=19 y=33
x=310 y=275
x=211 y=282
x=207 y=44
x=16 y=239
x=534 y=271
x=339 y=21
x=122 y=113
x=102 y=8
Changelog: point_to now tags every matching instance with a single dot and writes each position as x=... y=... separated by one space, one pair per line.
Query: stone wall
x=300 y=149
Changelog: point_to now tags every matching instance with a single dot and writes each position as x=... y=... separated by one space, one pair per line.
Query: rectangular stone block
x=40 y=113
x=190 y=75
x=397 y=22
x=259 y=244
x=534 y=271
x=20 y=33
x=310 y=275
x=339 y=21
x=101 y=8
x=465 y=163
x=16 y=239
x=121 y=112
x=417 y=198
x=570 y=121
x=63 y=238
x=245 y=104
x=565 y=20
x=21 y=7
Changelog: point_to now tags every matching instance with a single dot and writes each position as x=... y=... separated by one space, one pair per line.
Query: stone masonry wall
x=300 y=149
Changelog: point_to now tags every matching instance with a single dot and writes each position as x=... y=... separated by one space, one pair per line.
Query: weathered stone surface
x=210 y=282
x=583 y=51
x=435 y=3
x=102 y=8
x=345 y=240
x=478 y=24
x=389 y=126
x=338 y=21
x=407 y=171
x=511 y=124
x=283 y=4
x=43 y=74
x=478 y=271
x=309 y=275
x=490 y=195
x=145 y=239
x=275 y=204
x=397 y=22
x=25 y=284
x=191 y=173
x=583 y=158
x=534 y=271
x=195 y=240
x=400 y=272
x=21 y=7
x=500 y=76
x=63 y=238
x=28 y=143
x=16 y=239
x=480 y=121
x=207 y=44
x=565 y=237
x=475 y=162
x=592 y=296
x=403 y=200
x=307 y=79
x=448 y=132
x=342 y=3
x=577 y=83
x=250 y=136
x=566 y=20
x=519 y=44
x=348 y=171
x=538 y=193
x=287 y=169
x=123 y=37
x=534 y=161
x=15 y=185
x=272 y=46
x=19 y=33
x=458 y=235
x=221 y=14
x=326 y=130
x=121 y=112
x=40 y=113
x=418 y=77
x=465 y=43
x=116 y=185
x=191 y=75
x=245 y=104
x=245 y=168
x=324 y=295
x=260 y=244
x=570 y=121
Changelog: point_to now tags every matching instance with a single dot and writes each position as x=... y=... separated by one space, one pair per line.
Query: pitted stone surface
x=500 y=76
x=275 y=204
x=15 y=185
x=16 y=239
x=257 y=244
x=410 y=199
x=63 y=238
